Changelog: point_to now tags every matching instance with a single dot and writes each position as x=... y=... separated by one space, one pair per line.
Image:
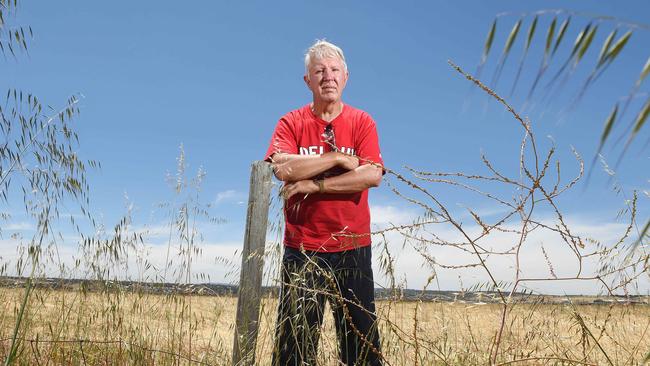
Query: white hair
x=322 y=49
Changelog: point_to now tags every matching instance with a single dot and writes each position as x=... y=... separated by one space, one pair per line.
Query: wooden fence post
x=252 y=264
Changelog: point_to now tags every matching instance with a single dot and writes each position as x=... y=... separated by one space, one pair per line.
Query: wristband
x=321 y=185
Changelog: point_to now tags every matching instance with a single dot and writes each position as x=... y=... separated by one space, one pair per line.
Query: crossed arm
x=297 y=172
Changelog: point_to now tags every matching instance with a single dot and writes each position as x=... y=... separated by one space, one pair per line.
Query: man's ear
x=306 y=79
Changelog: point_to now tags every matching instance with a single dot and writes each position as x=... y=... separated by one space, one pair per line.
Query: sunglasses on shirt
x=329 y=138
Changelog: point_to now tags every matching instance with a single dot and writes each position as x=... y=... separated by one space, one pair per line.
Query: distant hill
x=216 y=289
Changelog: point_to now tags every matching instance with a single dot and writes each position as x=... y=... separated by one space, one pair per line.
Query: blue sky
x=216 y=76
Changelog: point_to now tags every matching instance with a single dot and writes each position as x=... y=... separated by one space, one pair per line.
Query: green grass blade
x=612 y=53
x=488 y=41
x=609 y=123
x=531 y=32
x=506 y=52
x=641 y=118
x=560 y=34
x=580 y=39
x=644 y=72
x=608 y=126
x=549 y=40
x=585 y=45
x=549 y=37
x=512 y=37
x=486 y=48
x=576 y=45
x=618 y=46
x=604 y=50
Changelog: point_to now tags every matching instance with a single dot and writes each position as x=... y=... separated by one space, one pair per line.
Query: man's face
x=326 y=78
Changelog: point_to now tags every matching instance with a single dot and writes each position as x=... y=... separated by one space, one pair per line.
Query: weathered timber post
x=250 y=279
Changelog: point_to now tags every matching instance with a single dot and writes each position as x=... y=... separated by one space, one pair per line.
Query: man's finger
x=287 y=191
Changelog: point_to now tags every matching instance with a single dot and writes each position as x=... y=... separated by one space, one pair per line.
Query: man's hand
x=348 y=162
x=307 y=186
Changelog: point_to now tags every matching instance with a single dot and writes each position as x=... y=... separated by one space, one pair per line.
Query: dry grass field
x=120 y=328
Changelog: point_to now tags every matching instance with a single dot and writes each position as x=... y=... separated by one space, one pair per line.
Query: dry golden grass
x=147 y=329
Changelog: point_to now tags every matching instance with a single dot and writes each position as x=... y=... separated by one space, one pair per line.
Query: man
x=327 y=154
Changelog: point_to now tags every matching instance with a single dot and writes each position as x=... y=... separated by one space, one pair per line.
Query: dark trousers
x=345 y=280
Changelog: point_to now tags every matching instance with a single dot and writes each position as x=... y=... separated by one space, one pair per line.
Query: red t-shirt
x=327 y=222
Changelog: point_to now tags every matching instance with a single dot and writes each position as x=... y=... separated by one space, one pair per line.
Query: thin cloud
x=382 y=215
x=18 y=226
x=228 y=196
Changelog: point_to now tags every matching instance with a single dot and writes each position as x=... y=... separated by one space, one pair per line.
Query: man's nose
x=327 y=74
